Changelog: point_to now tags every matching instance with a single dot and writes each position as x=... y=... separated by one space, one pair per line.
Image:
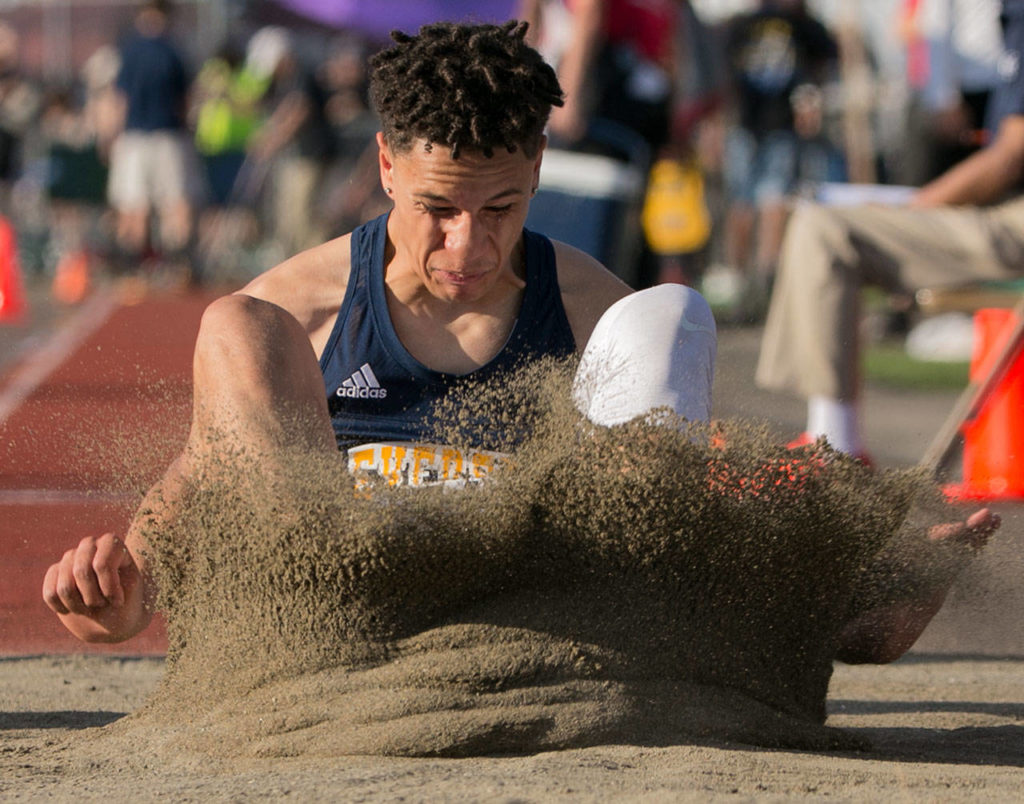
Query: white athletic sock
x=837 y=421
x=654 y=348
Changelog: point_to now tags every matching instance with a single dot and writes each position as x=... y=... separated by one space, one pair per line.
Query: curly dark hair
x=476 y=87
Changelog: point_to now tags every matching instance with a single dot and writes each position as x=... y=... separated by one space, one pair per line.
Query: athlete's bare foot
x=972 y=532
x=883 y=634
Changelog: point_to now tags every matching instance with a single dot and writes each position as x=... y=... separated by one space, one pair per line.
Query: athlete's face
x=457 y=222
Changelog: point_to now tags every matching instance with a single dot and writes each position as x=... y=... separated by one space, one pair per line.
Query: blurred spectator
x=771 y=51
x=152 y=161
x=818 y=159
x=966 y=225
x=19 y=106
x=615 y=62
x=345 y=82
x=676 y=215
x=225 y=113
x=101 y=106
x=79 y=124
x=627 y=69
x=75 y=187
x=293 y=143
x=959 y=45
x=675 y=218
x=225 y=101
x=351 y=192
x=78 y=128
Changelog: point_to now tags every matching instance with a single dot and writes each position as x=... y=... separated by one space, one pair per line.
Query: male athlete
x=347 y=345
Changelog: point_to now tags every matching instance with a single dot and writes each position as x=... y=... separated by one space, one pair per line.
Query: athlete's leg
x=258 y=395
x=654 y=348
x=256 y=381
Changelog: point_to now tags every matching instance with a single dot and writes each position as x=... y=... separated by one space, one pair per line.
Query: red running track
x=87 y=422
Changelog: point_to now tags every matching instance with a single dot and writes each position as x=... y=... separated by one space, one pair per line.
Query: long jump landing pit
x=512 y=634
x=68 y=412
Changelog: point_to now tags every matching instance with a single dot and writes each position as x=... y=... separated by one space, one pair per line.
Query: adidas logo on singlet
x=363 y=384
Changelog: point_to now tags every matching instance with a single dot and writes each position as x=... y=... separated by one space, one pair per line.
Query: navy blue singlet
x=376 y=390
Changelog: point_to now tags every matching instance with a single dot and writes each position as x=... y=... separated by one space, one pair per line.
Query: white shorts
x=150 y=169
x=652 y=349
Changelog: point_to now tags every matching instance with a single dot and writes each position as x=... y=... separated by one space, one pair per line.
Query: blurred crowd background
x=256 y=115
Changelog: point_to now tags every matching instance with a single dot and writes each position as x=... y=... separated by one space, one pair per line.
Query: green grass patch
x=889 y=365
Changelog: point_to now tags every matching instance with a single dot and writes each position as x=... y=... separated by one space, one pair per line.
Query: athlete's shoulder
x=310 y=286
x=301 y=282
x=587 y=288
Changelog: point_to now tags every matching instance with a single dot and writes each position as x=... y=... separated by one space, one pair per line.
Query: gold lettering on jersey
x=410 y=464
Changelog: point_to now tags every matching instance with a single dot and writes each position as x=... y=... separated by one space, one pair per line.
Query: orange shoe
x=72 y=279
x=805 y=439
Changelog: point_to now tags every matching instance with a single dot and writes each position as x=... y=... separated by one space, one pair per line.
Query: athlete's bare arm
x=310 y=286
x=97 y=590
x=588 y=289
x=101 y=589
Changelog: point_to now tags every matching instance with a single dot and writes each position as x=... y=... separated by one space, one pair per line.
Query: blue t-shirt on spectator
x=154 y=82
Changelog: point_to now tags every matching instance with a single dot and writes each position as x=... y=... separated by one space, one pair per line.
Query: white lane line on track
x=35 y=367
x=65 y=497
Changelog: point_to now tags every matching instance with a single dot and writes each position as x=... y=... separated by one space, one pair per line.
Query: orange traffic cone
x=71 y=280
x=12 y=297
x=993 y=457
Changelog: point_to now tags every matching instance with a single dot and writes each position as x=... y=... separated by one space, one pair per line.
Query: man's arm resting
x=985 y=176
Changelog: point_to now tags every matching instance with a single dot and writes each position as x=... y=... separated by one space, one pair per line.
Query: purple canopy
x=376 y=18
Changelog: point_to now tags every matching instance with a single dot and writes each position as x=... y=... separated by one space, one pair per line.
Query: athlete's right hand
x=98 y=591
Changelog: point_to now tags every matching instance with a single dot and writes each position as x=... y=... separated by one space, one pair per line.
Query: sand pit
x=621 y=611
x=944 y=729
